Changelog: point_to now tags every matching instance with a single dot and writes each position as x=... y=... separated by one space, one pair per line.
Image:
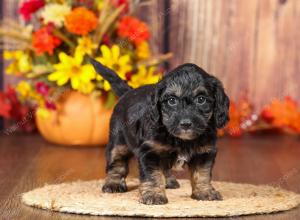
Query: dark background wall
x=251 y=46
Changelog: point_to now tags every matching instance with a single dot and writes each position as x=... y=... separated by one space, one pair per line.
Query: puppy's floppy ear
x=221 y=108
x=154 y=106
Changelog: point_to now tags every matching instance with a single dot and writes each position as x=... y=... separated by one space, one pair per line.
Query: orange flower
x=133 y=29
x=81 y=21
x=44 y=41
x=239 y=112
x=234 y=125
x=283 y=114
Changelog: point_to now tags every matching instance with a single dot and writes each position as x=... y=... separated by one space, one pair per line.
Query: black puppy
x=175 y=119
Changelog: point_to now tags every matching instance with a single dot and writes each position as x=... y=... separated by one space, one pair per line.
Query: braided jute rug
x=85 y=197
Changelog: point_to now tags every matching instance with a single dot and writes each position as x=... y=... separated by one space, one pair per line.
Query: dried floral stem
x=13 y=34
x=12 y=37
x=8 y=24
x=15 y=47
x=106 y=24
x=104 y=11
x=155 y=60
x=63 y=37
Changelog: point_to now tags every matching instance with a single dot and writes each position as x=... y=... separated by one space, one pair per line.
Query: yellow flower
x=71 y=69
x=38 y=98
x=144 y=76
x=143 y=51
x=24 y=89
x=43 y=112
x=55 y=13
x=100 y=4
x=106 y=86
x=86 y=88
x=21 y=62
x=114 y=60
x=86 y=45
x=26 y=92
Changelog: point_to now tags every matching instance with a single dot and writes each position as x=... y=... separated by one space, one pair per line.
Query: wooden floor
x=27 y=162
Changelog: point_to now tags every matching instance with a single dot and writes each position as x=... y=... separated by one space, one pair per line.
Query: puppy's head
x=188 y=100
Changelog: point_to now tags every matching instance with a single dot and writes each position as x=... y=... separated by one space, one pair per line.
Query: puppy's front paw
x=209 y=195
x=172 y=183
x=151 y=198
x=114 y=187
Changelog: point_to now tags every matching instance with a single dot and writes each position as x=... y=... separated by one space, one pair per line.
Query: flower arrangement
x=282 y=116
x=50 y=52
x=12 y=108
x=50 y=56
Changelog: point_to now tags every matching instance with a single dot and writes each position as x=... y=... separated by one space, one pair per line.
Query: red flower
x=133 y=29
x=42 y=88
x=11 y=94
x=128 y=75
x=44 y=41
x=50 y=105
x=105 y=40
x=29 y=7
x=5 y=106
x=16 y=106
x=118 y=3
x=12 y=109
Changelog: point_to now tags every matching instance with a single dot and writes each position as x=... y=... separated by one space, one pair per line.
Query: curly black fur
x=176 y=118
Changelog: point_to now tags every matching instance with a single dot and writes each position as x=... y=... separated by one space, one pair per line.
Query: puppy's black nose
x=185 y=124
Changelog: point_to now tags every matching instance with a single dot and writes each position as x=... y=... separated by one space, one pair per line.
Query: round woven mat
x=86 y=198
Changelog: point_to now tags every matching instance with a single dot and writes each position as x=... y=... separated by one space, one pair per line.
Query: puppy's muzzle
x=185 y=124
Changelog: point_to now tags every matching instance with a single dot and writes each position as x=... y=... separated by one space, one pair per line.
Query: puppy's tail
x=118 y=85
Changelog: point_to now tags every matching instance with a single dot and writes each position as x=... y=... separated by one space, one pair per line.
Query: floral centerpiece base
x=78 y=120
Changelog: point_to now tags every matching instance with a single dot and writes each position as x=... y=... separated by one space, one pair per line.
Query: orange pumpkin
x=79 y=120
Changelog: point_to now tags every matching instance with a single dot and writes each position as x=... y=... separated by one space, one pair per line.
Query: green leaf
x=110 y=100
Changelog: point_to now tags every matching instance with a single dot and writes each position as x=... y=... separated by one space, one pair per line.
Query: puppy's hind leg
x=117 y=156
x=171 y=182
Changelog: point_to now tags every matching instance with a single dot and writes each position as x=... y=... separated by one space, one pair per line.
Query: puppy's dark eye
x=172 y=101
x=201 y=100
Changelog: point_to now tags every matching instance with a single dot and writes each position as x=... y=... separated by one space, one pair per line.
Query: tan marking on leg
x=157 y=183
x=153 y=191
x=115 y=179
x=117 y=174
x=201 y=185
x=200 y=179
x=119 y=151
x=119 y=169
